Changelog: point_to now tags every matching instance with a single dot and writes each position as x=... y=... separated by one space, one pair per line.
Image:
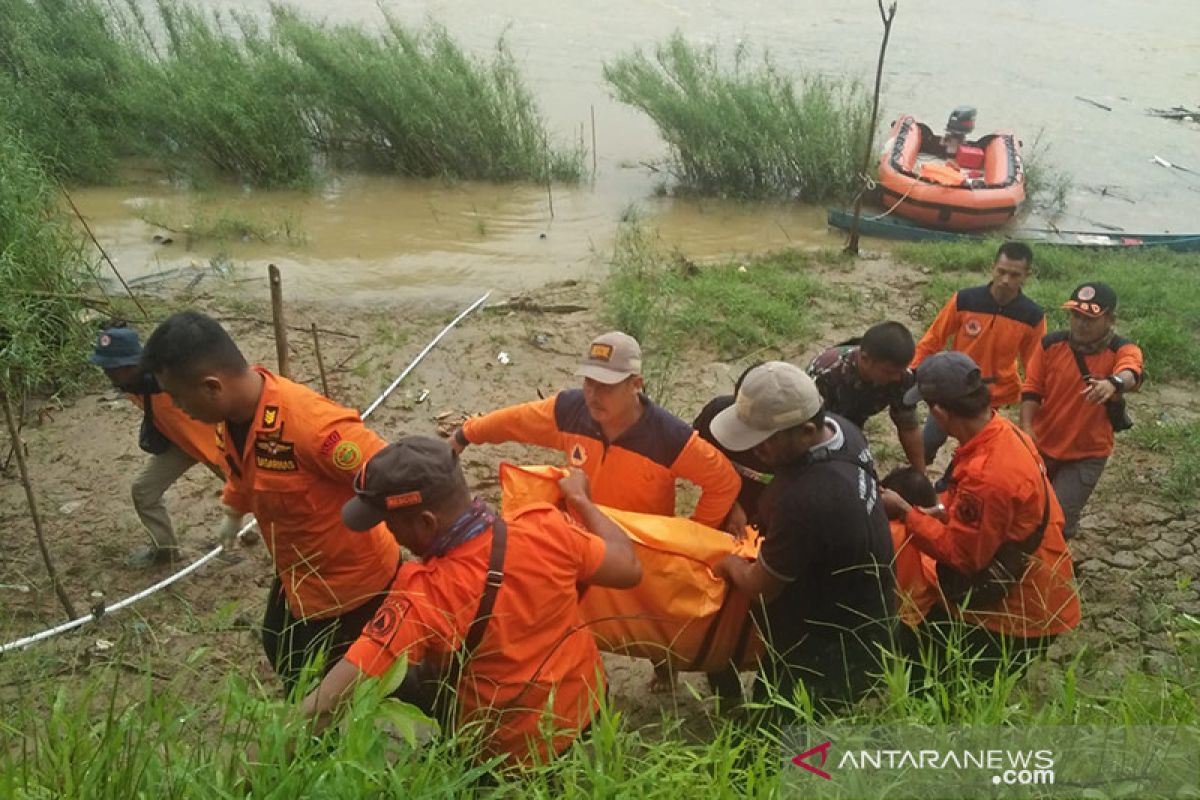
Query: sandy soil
x=1137 y=557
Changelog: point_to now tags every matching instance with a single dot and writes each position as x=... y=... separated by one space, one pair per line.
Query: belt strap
x=487 y=601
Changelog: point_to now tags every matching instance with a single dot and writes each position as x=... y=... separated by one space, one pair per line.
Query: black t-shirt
x=755 y=473
x=826 y=533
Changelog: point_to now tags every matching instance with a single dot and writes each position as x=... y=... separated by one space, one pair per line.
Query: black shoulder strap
x=1080 y=363
x=1034 y=540
x=487 y=601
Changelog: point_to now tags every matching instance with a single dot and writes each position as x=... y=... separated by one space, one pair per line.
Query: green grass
x=670 y=304
x=1046 y=187
x=224 y=225
x=747 y=130
x=1180 y=443
x=43 y=271
x=1159 y=293
x=269 y=103
x=110 y=734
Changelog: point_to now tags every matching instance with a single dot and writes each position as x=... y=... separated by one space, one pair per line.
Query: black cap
x=1093 y=299
x=116 y=347
x=945 y=376
x=408 y=474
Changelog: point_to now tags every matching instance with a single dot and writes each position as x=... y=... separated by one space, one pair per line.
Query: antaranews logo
x=1008 y=767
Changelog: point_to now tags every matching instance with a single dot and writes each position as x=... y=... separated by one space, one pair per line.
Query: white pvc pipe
x=198 y=563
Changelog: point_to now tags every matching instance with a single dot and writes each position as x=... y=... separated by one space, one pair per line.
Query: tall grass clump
x=64 y=68
x=1158 y=293
x=42 y=270
x=415 y=103
x=225 y=98
x=748 y=130
x=266 y=102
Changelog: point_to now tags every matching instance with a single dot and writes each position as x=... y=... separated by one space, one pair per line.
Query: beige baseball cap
x=611 y=358
x=773 y=397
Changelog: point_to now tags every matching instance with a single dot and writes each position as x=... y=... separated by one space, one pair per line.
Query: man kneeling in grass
x=492 y=609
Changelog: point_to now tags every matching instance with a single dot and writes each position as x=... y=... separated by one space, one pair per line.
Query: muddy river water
x=1024 y=64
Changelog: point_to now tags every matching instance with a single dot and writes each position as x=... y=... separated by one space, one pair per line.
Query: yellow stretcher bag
x=680 y=612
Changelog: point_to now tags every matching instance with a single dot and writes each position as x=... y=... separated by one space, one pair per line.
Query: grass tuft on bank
x=746 y=129
x=43 y=271
x=269 y=102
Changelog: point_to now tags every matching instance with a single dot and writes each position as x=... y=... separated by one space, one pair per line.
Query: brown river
x=1024 y=64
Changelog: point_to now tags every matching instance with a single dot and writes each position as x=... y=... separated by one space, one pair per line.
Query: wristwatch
x=1117 y=383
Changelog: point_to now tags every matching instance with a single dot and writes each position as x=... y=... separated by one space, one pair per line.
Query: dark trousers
x=986 y=651
x=290 y=643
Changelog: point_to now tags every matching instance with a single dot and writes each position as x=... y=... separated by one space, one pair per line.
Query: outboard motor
x=961 y=122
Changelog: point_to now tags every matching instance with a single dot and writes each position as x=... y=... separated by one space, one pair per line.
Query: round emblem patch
x=105 y=340
x=968 y=508
x=347 y=456
x=973 y=327
x=1087 y=293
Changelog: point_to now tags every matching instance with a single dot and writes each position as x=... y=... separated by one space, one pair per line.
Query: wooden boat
x=902 y=230
x=937 y=193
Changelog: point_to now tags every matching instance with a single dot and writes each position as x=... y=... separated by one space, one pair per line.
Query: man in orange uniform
x=993 y=324
x=494 y=603
x=1002 y=562
x=916 y=581
x=1073 y=376
x=174 y=441
x=631 y=449
x=290 y=457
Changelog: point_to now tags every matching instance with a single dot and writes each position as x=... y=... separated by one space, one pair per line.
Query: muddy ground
x=1137 y=555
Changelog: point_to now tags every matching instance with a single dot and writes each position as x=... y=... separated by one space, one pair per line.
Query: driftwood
x=1176 y=113
x=1093 y=102
x=526 y=304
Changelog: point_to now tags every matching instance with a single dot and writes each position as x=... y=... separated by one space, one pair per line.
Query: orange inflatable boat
x=979 y=186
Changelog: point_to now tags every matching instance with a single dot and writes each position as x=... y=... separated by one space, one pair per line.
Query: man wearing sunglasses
x=1073 y=397
x=290 y=457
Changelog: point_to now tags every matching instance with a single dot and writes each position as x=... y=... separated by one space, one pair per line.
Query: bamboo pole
x=320 y=361
x=23 y=469
x=103 y=252
x=281 y=341
x=887 y=16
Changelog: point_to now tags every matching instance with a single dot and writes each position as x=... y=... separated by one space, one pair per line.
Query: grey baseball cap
x=611 y=358
x=773 y=397
x=945 y=376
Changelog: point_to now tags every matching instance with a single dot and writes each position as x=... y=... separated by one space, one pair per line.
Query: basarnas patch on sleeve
x=968 y=508
x=387 y=620
x=347 y=456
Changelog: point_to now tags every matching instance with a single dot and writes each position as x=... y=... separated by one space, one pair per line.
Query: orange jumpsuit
x=997 y=493
x=636 y=472
x=197 y=439
x=294 y=473
x=991 y=334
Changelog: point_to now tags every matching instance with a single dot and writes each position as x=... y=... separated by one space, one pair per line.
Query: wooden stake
x=23 y=469
x=103 y=252
x=887 y=17
x=320 y=361
x=549 y=191
x=593 y=141
x=281 y=342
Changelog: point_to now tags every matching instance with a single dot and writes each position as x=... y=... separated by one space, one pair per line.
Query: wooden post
x=549 y=191
x=887 y=17
x=281 y=342
x=23 y=469
x=593 y=141
x=320 y=361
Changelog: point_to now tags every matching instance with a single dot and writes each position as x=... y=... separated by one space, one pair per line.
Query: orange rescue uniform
x=997 y=493
x=916 y=577
x=1067 y=427
x=294 y=473
x=991 y=334
x=537 y=669
x=636 y=472
x=197 y=439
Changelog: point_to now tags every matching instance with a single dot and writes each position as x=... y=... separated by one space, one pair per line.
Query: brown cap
x=611 y=358
x=773 y=397
x=1093 y=299
x=408 y=474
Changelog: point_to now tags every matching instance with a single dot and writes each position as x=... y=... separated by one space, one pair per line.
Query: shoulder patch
x=386 y=622
x=968 y=508
x=347 y=456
